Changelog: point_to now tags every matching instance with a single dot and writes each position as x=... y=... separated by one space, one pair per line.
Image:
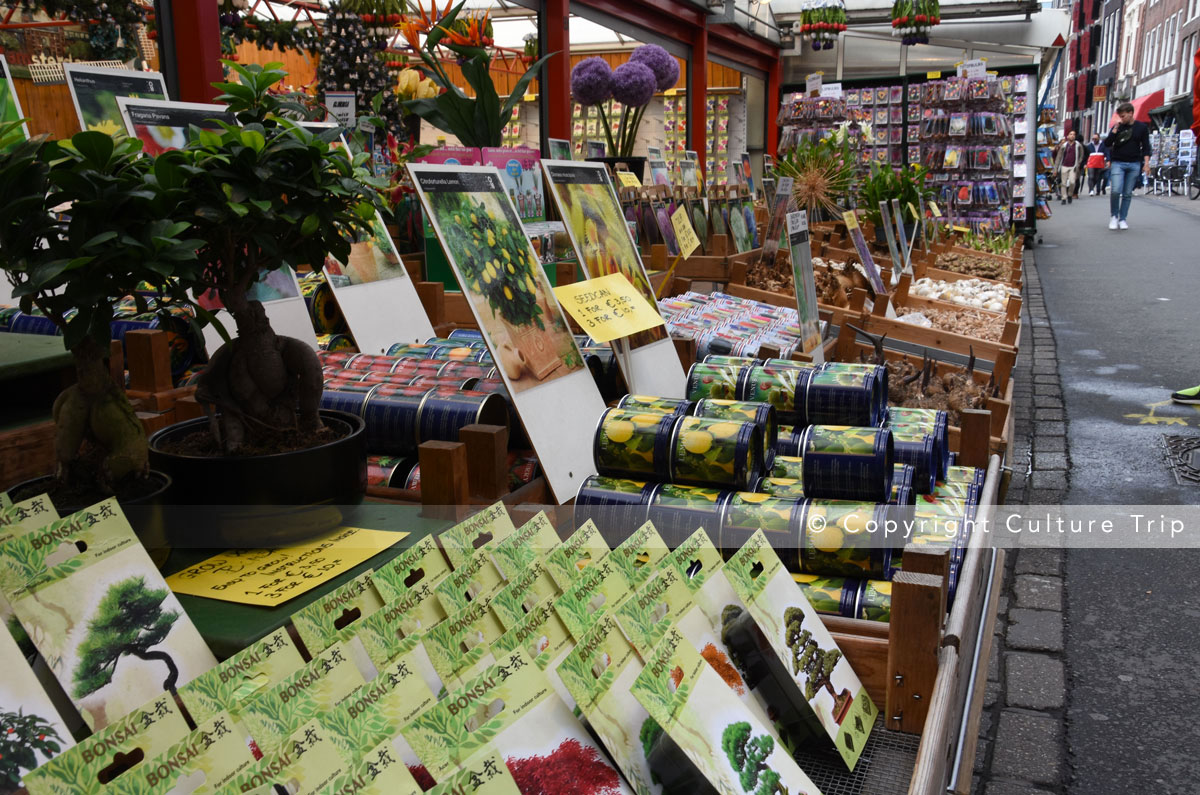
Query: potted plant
x=120 y=239
x=885 y=183
x=633 y=84
x=822 y=173
x=264 y=197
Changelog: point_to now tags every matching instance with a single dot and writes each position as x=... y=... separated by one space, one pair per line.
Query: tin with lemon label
x=717 y=453
x=847 y=463
x=843 y=397
x=875 y=601
x=844 y=539
x=917 y=449
x=633 y=444
x=957 y=474
x=788 y=466
x=878 y=376
x=679 y=511
x=731 y=361
x=781 y=487
x=616 y=506
x=836 y=596
x=777 y=517
x=715 y=381
x=783 y=389
x=761 y=414
x=788 y=443
x=941 y=448
x=656 y=405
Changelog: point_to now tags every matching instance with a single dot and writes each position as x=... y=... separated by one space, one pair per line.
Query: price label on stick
x=608 y=307
x=864 y=253
x=628 y=179
x=685 y=235
x=933 y=208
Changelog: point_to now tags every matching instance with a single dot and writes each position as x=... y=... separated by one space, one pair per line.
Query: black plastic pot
x=635 y=165
x=262 y=501
x=145 y=513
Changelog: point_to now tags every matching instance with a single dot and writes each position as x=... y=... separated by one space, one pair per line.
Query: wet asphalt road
x=1124 y=310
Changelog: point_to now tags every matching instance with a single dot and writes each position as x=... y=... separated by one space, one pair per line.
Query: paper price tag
x=608 y=307
x=933 y=75
x=812 y=84
x=797 y=222
x=628 y=179
x=933 y=208
x=685 y=236
x=850 y=219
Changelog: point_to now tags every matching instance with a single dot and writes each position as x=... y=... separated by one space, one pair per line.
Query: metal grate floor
x=885 y=767
x=1183 y=457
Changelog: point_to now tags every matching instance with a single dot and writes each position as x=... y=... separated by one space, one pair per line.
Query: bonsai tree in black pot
x=262 y=197
x=120 y=238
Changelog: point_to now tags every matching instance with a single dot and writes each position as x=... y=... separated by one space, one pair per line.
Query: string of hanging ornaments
x=822 y=21
x=912 y=19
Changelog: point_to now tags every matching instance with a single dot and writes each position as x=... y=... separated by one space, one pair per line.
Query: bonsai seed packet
x=599 y=672
x=87 y=593
x=379 y=771
x=531 y=586
x=416 y=610
x=335 y=618
x=420 y=564
x=458 y=646
x=31 y=731
x=305 y=763
x=726 y=743
x=143 y=734
x=308 y=692
x=545 y=640
x=805 y=648
x=532 y=541
x=583 y=548
x=19 y=518
x=489 y=526
x=483 y=774
x=239 y=679
x=202 y=762
x=472 y=580
x=511 y=709
x=598 y=589
x=639 y=555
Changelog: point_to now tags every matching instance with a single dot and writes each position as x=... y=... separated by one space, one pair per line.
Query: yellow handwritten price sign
x=685 y=236
x=608 y=307
x=274 y=576
x=932 y=75
x=933 y=208
x=628 y=179
x=850 y=219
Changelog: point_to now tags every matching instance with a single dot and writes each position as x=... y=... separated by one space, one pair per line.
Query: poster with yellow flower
x=94 y=91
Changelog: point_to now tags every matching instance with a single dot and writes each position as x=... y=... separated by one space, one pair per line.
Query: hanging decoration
x=822 y=21
x=912 y=19
x=353 y=59
x=114 y=36
x=266 y=33
x=379 y=17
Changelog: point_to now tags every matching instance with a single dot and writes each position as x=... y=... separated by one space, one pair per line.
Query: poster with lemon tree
x=510 y=296
x=94 y=91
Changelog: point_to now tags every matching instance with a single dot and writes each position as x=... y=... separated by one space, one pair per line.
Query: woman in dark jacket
x=1128 y=144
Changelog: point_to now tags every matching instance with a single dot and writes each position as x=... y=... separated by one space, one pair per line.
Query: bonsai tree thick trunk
x=95 y=409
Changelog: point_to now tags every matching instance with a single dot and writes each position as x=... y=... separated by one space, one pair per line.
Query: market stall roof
x=1043 y=30
x=1142 y=107
x=1178 y=111
x=859 y=12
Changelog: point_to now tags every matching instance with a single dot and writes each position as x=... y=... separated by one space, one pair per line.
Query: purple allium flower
x=633 y=84
x=591 y=81
x=661 y=62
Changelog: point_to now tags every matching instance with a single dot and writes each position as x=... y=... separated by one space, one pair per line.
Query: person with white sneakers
x=1097 y=165
x=1128 y=144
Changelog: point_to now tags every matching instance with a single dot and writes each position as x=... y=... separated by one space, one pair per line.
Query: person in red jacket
x=1196 y=94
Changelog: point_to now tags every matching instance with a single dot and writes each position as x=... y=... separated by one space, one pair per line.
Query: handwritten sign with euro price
x=628 y=179
x=608 y=307
x=685 y=235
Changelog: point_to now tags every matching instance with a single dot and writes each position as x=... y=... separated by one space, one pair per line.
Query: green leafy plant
x=129 y=621
x=478 y=120
x=885 y=183
x=822 y=175
x=808 y=657
x=747 y=755
x=264 y=196
x=22 y=737
x=120 y=238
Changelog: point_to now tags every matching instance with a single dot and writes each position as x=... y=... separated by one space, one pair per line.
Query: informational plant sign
x=279 y=293
x=342 y=106
x=775 y=224
x=560 y=149
x=378 y=300
x=804 y=282
x=608 y=307
x=659 y=173
x=509 y=294
x=864 y=253
x=596 y=149
x=588 y=204
x=518 y=167
x=161 y=125
x=95 y=90
x=10 y=109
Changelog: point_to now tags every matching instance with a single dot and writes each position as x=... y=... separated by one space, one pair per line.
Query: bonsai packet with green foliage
x=529 y=587
x=18 y=518
x=141 y=735
x=511 y=709
x=379 y=771
x=803 y=648
x=719 y=738
x=422 y=564
x=380 y=636
x=531 y=541
x=598 y=589
x=599 y=672
x=378 y=710
x=458 y=646
x=31 y=730
x=240 y=678
x=418 y=609
x=483 y=774
x=306 y=694
x=476 y=578
x=202 y=762
x=305 y=763
x=99 y=612
x=546 y=641
x=583 y=548
x=336 y=616
x=490 y=526
x=639 y=555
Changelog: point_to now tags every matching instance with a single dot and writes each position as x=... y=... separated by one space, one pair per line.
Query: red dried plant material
x=677 y=676
x=571 y=768
x=721 y=664
x=422 y=777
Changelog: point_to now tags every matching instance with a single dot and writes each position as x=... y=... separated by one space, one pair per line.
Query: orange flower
x=474 y=37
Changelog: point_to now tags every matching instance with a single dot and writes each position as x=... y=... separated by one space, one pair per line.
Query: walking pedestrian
x=1097 y=165
x=1129 y=150
x=1068 y=164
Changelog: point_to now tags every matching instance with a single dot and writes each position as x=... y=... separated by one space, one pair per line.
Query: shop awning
x=1142 y=107
x=1178 y=112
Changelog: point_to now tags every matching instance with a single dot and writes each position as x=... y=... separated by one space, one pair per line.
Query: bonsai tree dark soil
x=267 y=442
x=77 y=487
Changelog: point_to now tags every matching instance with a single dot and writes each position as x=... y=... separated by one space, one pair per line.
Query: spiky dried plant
x=822 y=175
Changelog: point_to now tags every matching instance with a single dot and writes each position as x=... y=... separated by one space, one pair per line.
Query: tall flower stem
x=631 y=136
x=607 y=129
x=620 y=150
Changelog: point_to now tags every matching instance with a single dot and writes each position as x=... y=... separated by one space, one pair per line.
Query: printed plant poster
x=95 y=90
x=10 y=109
x=162 y=126
x=518 y=168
